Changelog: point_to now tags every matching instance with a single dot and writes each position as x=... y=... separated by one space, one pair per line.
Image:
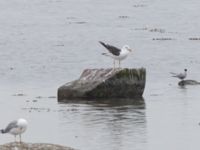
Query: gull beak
x=130 y=50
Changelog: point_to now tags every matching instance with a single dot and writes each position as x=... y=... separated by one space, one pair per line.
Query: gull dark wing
x=10 y=126
x=181 y=76
x=112 y=49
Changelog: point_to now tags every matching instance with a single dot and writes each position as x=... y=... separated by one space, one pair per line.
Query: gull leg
x=15 y=138
x=114 y=64
x=20 y=138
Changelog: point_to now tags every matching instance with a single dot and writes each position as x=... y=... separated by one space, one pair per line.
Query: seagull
x=116 y=53
x=181 y=76
x=16 y=127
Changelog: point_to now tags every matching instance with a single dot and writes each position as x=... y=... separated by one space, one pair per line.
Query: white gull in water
x=16 y=127
x=180 y=75
x=116 y=53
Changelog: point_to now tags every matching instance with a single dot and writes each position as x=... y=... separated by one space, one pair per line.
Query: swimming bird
x=181 y=76
x=16 y=127
x=116 y=53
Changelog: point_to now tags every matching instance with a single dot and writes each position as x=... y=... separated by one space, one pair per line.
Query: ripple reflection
x=112 y=124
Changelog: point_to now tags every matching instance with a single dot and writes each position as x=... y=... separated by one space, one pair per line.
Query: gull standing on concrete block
x=16 y=127
x=116 y=53
x=181 y=76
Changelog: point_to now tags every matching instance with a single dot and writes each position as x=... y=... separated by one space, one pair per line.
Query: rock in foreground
x=105 y=83
x=30 y=146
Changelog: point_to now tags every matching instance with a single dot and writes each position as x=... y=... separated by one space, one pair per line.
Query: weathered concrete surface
x=105 y=83
x=31 y=146
x=188 y=82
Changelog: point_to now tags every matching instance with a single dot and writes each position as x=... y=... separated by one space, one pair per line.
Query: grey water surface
x=46 y=43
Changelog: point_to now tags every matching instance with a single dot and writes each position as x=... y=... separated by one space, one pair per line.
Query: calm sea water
x=46 y=43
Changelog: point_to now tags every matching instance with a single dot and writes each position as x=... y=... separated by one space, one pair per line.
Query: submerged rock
x=105 y=83
x=31 y=146
x=188 y=82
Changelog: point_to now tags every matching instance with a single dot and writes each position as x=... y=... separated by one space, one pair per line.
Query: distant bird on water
x=181 y=76
x=116 y=53
x=16 y=127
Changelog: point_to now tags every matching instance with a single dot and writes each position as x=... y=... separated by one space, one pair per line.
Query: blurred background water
x=46 y=43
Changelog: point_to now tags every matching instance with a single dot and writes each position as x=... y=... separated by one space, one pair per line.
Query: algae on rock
x=105 y=83
x=33 y=146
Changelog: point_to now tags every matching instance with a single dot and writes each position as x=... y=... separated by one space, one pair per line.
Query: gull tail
x=2 y=131
x=173 y=74
x=105 y=54
x=102 y=43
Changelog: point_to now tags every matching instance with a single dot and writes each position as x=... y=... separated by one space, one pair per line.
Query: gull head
x=185 y=70
x=22 y=124
x=126 y=47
